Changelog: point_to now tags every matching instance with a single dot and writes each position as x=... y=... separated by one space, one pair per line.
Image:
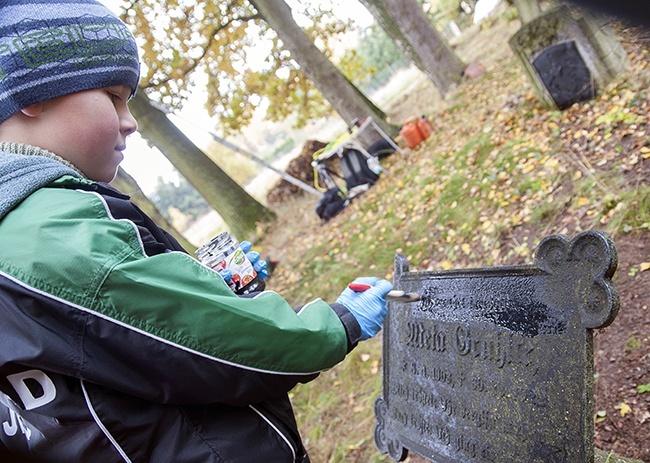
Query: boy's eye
x=118 y=94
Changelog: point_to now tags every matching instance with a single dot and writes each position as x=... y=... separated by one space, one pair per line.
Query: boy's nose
x=128 y=124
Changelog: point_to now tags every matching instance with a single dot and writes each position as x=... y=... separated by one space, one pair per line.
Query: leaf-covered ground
x=499 y=173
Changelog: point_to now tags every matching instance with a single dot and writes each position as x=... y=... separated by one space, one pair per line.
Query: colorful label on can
x=239 y=266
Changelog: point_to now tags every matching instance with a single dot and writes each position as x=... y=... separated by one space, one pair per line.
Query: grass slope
x=499 y=173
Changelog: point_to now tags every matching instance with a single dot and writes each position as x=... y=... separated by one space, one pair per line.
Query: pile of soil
x=299 y=168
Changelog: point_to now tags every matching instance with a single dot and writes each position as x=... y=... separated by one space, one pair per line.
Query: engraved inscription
x=433 y=373
x=499 y=347
x=480 y=417
x=421 y=337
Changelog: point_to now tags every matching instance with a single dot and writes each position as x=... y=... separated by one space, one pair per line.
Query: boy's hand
x=259 y=265
x=368 y=307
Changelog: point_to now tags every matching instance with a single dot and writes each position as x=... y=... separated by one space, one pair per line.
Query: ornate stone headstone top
x=496 y=364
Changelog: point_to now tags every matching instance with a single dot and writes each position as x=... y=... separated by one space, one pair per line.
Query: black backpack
x=331 y=203
x=355 y=170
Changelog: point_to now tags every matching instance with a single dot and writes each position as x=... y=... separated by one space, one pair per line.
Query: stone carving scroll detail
x=591 y=291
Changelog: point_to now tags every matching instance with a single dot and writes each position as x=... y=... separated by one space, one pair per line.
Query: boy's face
x=89 y=129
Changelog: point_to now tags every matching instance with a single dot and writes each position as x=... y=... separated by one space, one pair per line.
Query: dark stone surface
x=496 y=364
x=565 y=74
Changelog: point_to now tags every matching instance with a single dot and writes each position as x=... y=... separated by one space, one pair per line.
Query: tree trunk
x=405 y=22
x=127 y=185
x=237 y=208
x=527 y=9
x=346 y=99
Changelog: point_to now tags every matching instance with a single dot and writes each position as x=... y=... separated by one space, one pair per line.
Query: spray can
x=223 y=252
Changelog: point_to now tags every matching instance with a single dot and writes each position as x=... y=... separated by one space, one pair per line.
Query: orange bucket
x=415 y=130
x=411 y=133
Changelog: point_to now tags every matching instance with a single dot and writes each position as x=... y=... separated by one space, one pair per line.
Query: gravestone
x=496 y=364
x=568 y=59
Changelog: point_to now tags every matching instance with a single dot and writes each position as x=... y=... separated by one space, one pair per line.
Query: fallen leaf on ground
x=624 y=408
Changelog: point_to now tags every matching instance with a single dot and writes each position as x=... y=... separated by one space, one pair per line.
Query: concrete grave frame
x=590 y=36
x=496 y=364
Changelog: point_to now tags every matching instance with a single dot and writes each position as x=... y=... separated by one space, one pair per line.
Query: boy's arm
x=210 y=342
x=163 y=327
x=153 y=333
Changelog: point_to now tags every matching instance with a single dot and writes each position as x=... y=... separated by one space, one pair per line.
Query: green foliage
x=182 y=196
x=621 y=207
x=284 y=148
x=616 y=115
x=441 y=11
x=352 y=386
x=374 y=60
x=633 y=343
x=635 y=206
x=378 y=50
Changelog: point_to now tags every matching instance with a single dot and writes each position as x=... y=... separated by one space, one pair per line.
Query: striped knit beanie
x=50 y=48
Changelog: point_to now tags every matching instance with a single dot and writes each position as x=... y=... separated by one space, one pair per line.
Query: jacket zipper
x=286 y=433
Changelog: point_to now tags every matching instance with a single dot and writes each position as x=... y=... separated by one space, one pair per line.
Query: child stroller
x=359 y=169
x=358 y=172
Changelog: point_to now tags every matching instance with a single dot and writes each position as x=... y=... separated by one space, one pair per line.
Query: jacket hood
x=21 y=175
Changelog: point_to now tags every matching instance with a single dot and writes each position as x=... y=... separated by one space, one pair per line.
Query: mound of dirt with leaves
x=622 y=358
x=300 y=168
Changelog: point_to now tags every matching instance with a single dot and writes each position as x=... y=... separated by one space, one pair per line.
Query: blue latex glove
x=226 y=275
x=259 y=265
x=368 y=307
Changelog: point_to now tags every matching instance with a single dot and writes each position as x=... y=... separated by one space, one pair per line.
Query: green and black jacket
x=116 y=345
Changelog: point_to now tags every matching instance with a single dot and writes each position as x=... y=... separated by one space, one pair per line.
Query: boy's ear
x=33 y=110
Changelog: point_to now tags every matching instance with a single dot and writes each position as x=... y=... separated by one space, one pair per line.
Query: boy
x=116 y=345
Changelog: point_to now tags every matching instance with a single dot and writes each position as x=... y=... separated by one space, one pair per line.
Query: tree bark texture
x=346 y=99
x=127 y=185
x=239 y=210
x=405 y=23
